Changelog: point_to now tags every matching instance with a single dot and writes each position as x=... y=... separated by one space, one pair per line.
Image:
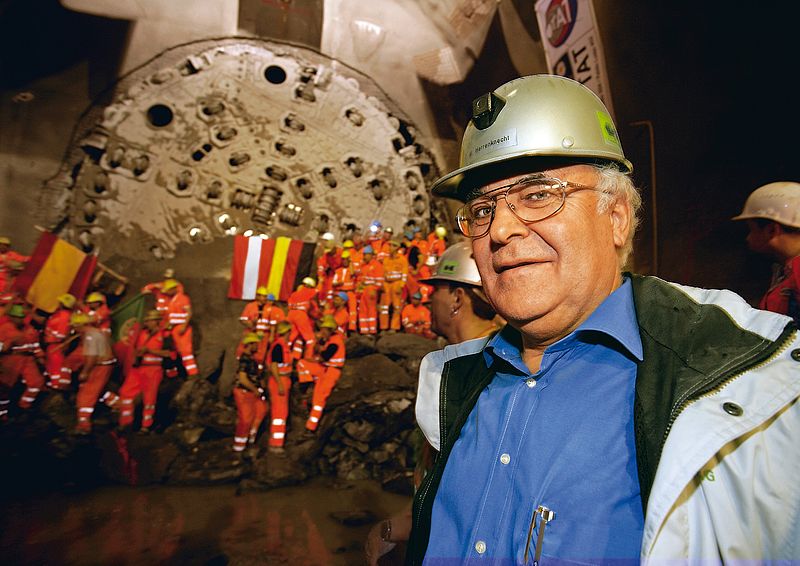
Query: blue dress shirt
x=561 y=438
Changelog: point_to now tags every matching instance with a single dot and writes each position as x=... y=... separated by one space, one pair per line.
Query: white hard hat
x=327 y=236
x=779 y=201
x=457 y=265
x=539 y=116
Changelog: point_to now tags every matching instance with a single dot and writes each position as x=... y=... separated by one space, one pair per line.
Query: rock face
x=366 y=431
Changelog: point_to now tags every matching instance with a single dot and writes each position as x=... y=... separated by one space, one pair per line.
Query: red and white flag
x=279 y=264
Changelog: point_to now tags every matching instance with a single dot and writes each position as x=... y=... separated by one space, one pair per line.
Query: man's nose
x=505 y=223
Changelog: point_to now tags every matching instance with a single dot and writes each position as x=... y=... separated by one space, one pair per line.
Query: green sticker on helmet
x=608 y=129
x=448 y=267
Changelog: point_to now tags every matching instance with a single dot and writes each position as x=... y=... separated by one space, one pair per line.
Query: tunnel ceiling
x=239 y=136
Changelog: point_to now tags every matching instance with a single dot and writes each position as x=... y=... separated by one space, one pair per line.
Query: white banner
x=572 y=44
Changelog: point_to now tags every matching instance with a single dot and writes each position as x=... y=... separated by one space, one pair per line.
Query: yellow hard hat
x=538 y=116
x=95 y=297
x=328 y=322
x=67 y=300
x=251 y=338
x=5 y=240
x=153 y=315
x=309 y=282
x=283 y=327
x=347 y=244
x=79 y=318
x=169 y=284
x=345 y=254
x=440 y=231
x=262 y=291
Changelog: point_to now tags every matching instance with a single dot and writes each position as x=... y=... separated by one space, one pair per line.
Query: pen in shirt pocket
x=545 y=515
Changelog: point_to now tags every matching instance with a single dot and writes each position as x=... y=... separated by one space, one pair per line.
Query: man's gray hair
x=618 y=185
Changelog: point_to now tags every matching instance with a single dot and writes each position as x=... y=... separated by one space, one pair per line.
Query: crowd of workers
x=365 y=285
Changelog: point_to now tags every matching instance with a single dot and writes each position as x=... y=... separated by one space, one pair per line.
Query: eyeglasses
x=531 y=199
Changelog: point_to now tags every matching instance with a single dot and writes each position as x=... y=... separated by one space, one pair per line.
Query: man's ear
x=620 y=215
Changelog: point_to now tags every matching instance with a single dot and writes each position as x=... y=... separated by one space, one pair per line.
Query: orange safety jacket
x=15 y=340
x=302 y=299
x=395 y=269
x=179 y=308
x=153 y=341
x=263 y=316
x=101 y=316
x=372 y=273
x=344 y=279
x=285 y=364
x=338 y=357
x=56 y=329
x=416 y=318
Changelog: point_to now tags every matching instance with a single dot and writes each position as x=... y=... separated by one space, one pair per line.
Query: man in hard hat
x=249 y=393
x=383 y=246
x=416 y=317
x=262 y=316
x=624 y=414
x=323 y=368
x=344 y=281
x=327 y=264
x=95 y=370
x=97 y=309
x=436 y=241
x=772 y=213
x=302 y=303
x=395 y=276
x=340 y=312
x=8 y=260
x=280 y=364
x=155 y=288
x=19 y=349
x=179 y=315
x=57 y=339
x=145 y=373
x=369 y=285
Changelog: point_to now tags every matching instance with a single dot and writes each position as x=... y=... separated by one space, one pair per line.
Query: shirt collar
x=615 y=317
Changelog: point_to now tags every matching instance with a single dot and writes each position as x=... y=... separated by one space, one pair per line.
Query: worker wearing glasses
x=616 y=417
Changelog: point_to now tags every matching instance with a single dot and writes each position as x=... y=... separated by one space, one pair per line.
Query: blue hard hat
x=270 y=297
x=368 y=250
x=342 y=295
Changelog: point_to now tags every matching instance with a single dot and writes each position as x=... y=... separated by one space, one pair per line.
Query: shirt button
x=505 y=459
x=530 y=382
x=480 y=547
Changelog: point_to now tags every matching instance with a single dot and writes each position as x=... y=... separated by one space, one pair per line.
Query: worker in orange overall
x=56 y=339
x=344 y=281
x=261 y=316
x=436 y=241
x=10 y=261
x=324 y=369
x=179 y=315
x=279 y=369
x=145 y=373
x=395 y=275
x=155 y=288
x=302 y=304
x=249 y=394
x=97 y=309
x=19 y=348
x=369 y=285
x=98 y=363
x=340 y=313
x=327 y=263
x=417 y=318
x=383 y=247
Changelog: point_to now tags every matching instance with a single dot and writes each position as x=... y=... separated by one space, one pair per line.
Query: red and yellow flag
x=55 y=267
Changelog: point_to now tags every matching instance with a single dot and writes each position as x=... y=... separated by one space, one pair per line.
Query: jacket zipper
x=679 y=407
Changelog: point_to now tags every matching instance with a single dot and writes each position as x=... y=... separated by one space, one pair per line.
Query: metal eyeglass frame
x=494 y=194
